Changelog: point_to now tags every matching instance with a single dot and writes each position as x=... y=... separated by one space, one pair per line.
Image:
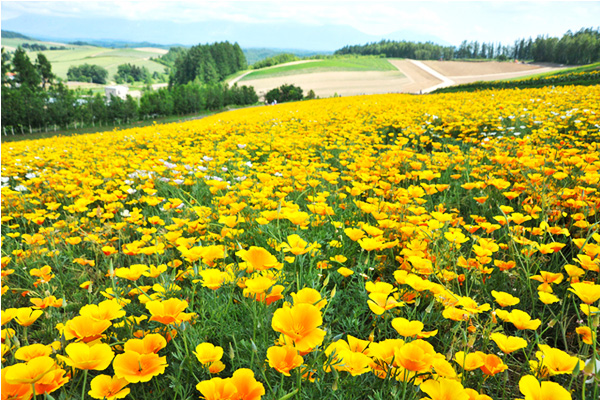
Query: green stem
x=85 y=372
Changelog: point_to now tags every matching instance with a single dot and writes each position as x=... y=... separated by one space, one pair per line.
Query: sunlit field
x=374 y=247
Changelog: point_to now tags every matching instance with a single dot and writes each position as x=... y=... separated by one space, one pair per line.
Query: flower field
x=373 y=247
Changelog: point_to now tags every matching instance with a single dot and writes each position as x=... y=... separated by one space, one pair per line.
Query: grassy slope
x=77 y=55
x=342 y=64
x=583 y=68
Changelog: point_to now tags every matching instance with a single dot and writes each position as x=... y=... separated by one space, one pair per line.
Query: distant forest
x=37 y=100
x=582 y=47
x=204 y=63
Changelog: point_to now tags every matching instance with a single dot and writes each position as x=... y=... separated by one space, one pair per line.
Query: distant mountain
x=248 y=35
x=14 y=35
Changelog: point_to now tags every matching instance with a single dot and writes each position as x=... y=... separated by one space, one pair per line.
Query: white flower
x=241 y=146
x=21 y=188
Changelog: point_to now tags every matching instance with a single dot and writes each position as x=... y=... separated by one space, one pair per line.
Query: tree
x=87 y=73
x=44 y=68
x=26 y=73
x=284 y=93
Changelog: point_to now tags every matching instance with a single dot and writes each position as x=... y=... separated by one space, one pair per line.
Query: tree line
x=581 y=47
x=206 y=63
x=32 y=98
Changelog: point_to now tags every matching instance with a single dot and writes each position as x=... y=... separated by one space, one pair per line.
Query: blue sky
x=453 y=21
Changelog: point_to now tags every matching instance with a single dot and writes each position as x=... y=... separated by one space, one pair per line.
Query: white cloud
x=451 y=20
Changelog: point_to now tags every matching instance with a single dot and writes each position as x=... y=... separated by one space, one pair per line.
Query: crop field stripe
x=359 y=64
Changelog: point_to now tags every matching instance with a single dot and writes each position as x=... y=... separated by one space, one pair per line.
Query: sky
x=452 y=21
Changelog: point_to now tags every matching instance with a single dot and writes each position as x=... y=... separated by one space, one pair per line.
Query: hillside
x=74 y=55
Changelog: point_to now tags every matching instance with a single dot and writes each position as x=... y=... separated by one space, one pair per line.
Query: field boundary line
x=445 y=81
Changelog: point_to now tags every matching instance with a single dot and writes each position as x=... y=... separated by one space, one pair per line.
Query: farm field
x=107 y=58
x=371 y=247
x=407 y=77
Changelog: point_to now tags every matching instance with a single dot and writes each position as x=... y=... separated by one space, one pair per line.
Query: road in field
x=412 y=77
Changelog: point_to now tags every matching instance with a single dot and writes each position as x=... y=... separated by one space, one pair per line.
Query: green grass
x=583 y=68
x=110 y=59
x=336 y=64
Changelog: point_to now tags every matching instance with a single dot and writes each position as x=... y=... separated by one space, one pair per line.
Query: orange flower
x=587 y=336
x=217 y=389
x=82 y=356
x=258 y=259
x=52 y=381
x=85 y=328
x=248 y=388
x=151 y=343
x=135 y=367
x=300 y=324
x=49 y=301
x=169 y=311
x=108 y=388
x=416 y=355
x=284 y=358
x=16 y=391
x=492 y=364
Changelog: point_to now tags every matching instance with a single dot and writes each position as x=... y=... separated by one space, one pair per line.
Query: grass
x=107 y=58
x=581 y=68
x=327 y=65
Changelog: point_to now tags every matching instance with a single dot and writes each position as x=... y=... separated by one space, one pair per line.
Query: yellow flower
x=345 y=272
x=444 y=389
x=29 y=372
x=300 y=323
x=169 y=311
x=26 y=316
x=108 y=388
x=588 y=292
x=587 y=336
x=533 y=390
x=508 y=344
x=82 y=356
x=135 y=367
x=208 y=353
x=284 y=358
x=556 y=361
x=505 y=299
